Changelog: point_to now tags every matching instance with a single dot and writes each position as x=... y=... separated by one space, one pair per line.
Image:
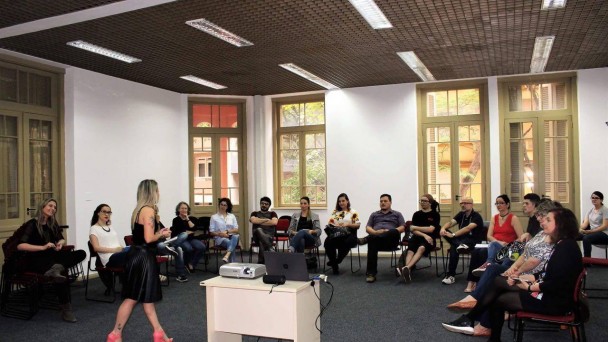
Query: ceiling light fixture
x=410 y=58
x=308 y=75
x=540 y=56
x=553 y=4
x=103 y=51
x=218 y=32
x=371 y=13
x=201 y=81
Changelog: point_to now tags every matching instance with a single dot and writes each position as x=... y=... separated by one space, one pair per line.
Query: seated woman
x=595 y=225
x=347 y=218
x=425 y=228
x=193 y=248
x=546 y=292
x=105 y=242
x=504 y=229
x=43 y=240
x=225 y=229
x=304 y=229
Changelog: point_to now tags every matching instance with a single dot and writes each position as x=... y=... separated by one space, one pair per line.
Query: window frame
x=301 y=131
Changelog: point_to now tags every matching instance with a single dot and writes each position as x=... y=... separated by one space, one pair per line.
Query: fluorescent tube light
x=308 y=75
x=553 y=4
x=103 y=51
x=218 y=32
x=410 y=58
x=371 y=13
x=542 y=49
x=201 y=81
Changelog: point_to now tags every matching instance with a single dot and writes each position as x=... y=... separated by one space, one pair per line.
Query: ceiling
x=455 y=40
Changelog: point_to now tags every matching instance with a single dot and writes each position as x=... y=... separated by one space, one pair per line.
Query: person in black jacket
x=547 y=292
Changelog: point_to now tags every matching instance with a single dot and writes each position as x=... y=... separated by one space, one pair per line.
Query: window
x=300 y=152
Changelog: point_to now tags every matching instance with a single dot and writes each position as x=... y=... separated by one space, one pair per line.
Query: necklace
x=503 y=216
x=104 y=229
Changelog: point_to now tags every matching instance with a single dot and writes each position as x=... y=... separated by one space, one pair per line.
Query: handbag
x=511 y=251
x=334 y=232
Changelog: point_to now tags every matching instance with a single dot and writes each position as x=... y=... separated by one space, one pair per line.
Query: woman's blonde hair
x=147 y=195
x=51 y=222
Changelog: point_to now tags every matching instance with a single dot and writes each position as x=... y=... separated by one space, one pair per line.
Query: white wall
x=118 y=133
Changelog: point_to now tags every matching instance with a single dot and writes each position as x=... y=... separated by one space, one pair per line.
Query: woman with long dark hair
x=546 y=292
x=346 y=221
x=304 y=228
x=425 y=229
x=43 y=240
x=142 y=283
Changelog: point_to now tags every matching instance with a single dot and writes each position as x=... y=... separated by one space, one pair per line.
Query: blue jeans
x=599 y=238
x=194 y=250
x=301 y=239
x=179 y=260
x=230 y=244
x=118 y=259
x=484 y=283
x=493 y=249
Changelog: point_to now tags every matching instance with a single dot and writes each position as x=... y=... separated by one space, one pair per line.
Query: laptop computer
x=290 y=265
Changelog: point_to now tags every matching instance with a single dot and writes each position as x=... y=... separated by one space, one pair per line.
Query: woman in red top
x=504 y=229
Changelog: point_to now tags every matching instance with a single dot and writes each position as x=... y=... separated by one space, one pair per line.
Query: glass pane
x=289 y=115
x=9 y=168
x=453 y=102
x=557 y=160
x=290 y=176
x=8 y=84
x=468 y=102
x=522 y=165
x=536 y=97
x=437 y=103
x=229 y=169
x=314 y=113
x=470 y=164
x=228 y=116
x=202 y=174
x=39 y=90
x=439 y=164
x=41 y=161
x=315 y=170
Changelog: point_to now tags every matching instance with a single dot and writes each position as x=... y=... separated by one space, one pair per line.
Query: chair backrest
x=203 y=223
x=287 y=217
x=283 y=224
x=92 y=252
x=579 y=284
x=128 y=240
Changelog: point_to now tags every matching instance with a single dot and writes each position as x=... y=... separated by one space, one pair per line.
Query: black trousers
x=342 y=244
x=453 y=256
x=385 y=242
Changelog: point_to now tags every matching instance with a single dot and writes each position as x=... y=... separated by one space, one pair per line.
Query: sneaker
x=171 y=250
x=162 y=277
x=406 y=275
x=478 y=272
x=462 y=248
x=370 y=278
x=449 y=280
x=362 y=241
x=182 y=278
x=463 y=325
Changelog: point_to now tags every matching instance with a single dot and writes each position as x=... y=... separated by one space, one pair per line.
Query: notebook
x=290 y=265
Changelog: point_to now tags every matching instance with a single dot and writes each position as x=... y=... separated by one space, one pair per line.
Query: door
x=454 y=165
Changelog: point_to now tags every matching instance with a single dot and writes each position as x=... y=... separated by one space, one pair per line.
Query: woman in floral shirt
x=343 y=236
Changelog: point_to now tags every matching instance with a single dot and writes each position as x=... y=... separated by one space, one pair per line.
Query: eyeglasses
x=500 y=203
x=539 y=216
x=264 y=203
x=424 y=201
x=594 y=197
x=106 y=212
x=463 y=203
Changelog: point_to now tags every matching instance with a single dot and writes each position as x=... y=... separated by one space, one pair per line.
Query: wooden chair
x=99 y=268
x=160 y=259
x=572 y=319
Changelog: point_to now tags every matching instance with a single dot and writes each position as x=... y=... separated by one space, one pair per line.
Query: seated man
x=468 y=235
x=384 y=228
x=264 y=227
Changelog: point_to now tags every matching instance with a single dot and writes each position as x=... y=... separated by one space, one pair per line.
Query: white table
x=238 y=307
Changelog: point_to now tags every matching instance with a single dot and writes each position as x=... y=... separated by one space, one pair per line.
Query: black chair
x=113 y=272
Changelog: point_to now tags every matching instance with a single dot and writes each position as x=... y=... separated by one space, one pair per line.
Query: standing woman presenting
x=142 y=282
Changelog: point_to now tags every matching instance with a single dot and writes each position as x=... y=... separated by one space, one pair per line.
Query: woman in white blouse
x=346 y=220
x=595 y=225
x=224 y=228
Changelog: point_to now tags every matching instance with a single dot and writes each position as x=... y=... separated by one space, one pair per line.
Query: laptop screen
x=290 y=265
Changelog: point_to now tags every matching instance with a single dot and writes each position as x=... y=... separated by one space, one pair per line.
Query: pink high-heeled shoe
x=113 y=337
x=159 y=336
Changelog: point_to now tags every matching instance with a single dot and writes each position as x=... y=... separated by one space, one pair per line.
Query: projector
x=242 y=270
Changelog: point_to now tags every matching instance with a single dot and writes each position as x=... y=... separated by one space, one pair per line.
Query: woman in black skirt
x=142 y=283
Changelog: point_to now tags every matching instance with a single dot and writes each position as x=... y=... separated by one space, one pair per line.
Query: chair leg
x=352 y=270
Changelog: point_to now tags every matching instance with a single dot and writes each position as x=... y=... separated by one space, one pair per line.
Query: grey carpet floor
x=387 y=310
